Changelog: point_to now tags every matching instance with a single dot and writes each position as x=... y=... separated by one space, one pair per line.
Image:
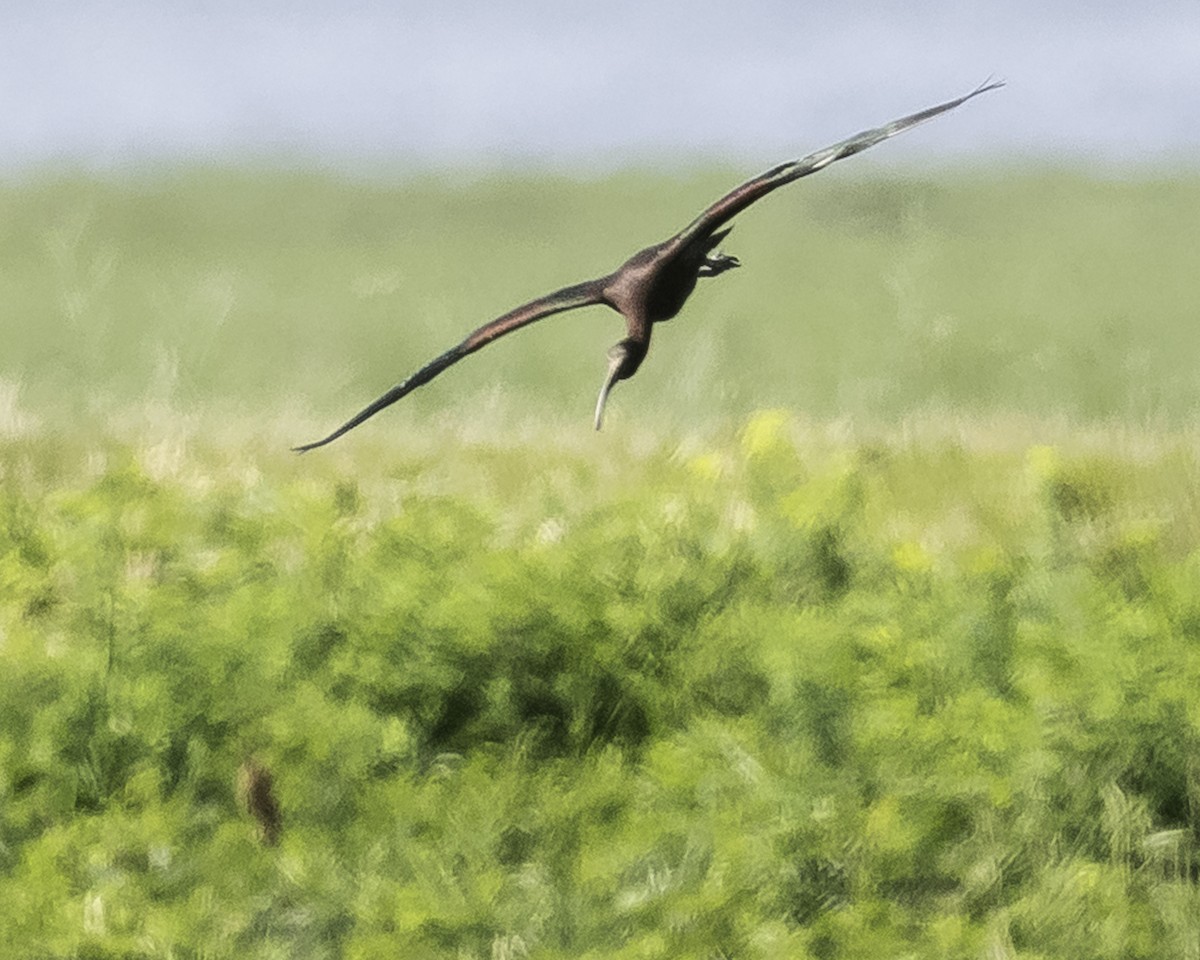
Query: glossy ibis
x=653 y=284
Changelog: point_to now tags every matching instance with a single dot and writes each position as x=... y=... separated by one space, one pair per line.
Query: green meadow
x=868 y=627
x=297 y=295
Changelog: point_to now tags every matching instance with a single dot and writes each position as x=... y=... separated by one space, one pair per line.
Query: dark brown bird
x=653 y=284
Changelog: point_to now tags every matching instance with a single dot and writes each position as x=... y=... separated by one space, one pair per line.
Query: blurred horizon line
x=536 y=85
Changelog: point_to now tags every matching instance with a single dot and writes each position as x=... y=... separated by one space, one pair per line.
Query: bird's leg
x=716 y=264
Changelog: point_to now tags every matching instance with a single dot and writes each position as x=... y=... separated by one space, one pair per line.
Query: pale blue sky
x=593 y=85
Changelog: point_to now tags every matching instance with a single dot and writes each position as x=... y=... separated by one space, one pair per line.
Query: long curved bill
x=614 y=364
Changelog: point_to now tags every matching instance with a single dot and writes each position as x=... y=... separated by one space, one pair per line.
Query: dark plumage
x=653 y=284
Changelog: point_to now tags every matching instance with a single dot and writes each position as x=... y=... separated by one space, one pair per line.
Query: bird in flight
x=653 y=284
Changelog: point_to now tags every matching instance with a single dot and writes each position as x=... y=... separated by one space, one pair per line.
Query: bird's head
x=623 y=360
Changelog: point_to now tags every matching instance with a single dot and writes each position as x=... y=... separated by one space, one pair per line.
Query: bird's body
x=653 y=285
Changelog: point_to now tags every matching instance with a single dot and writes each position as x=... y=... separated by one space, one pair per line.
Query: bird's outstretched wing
x=740 y=198
x=568 y=298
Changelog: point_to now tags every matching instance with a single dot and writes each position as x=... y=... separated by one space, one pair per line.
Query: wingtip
x=305 y=447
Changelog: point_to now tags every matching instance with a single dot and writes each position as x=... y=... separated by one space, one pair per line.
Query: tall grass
x=902 y=664
x=871 y=299
x=775 y=694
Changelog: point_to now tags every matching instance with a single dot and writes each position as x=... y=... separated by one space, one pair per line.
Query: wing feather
x=741 y=197
x=568 y=298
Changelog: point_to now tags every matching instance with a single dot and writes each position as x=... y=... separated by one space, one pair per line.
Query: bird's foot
x=718 y=263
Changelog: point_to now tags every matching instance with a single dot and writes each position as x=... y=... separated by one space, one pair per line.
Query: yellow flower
x=1042 y=461
x=707 y=466
x=911 y=557
x=764 y=433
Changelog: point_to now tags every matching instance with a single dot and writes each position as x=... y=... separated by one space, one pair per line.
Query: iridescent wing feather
x=700 y=229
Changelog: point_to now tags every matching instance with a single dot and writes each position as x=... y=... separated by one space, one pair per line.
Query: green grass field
x=301 y=296
x=869 y=626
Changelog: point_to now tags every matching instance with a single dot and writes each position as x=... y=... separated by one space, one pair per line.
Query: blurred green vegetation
x=902 y=664
x=867 y=298
x=773 y=694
